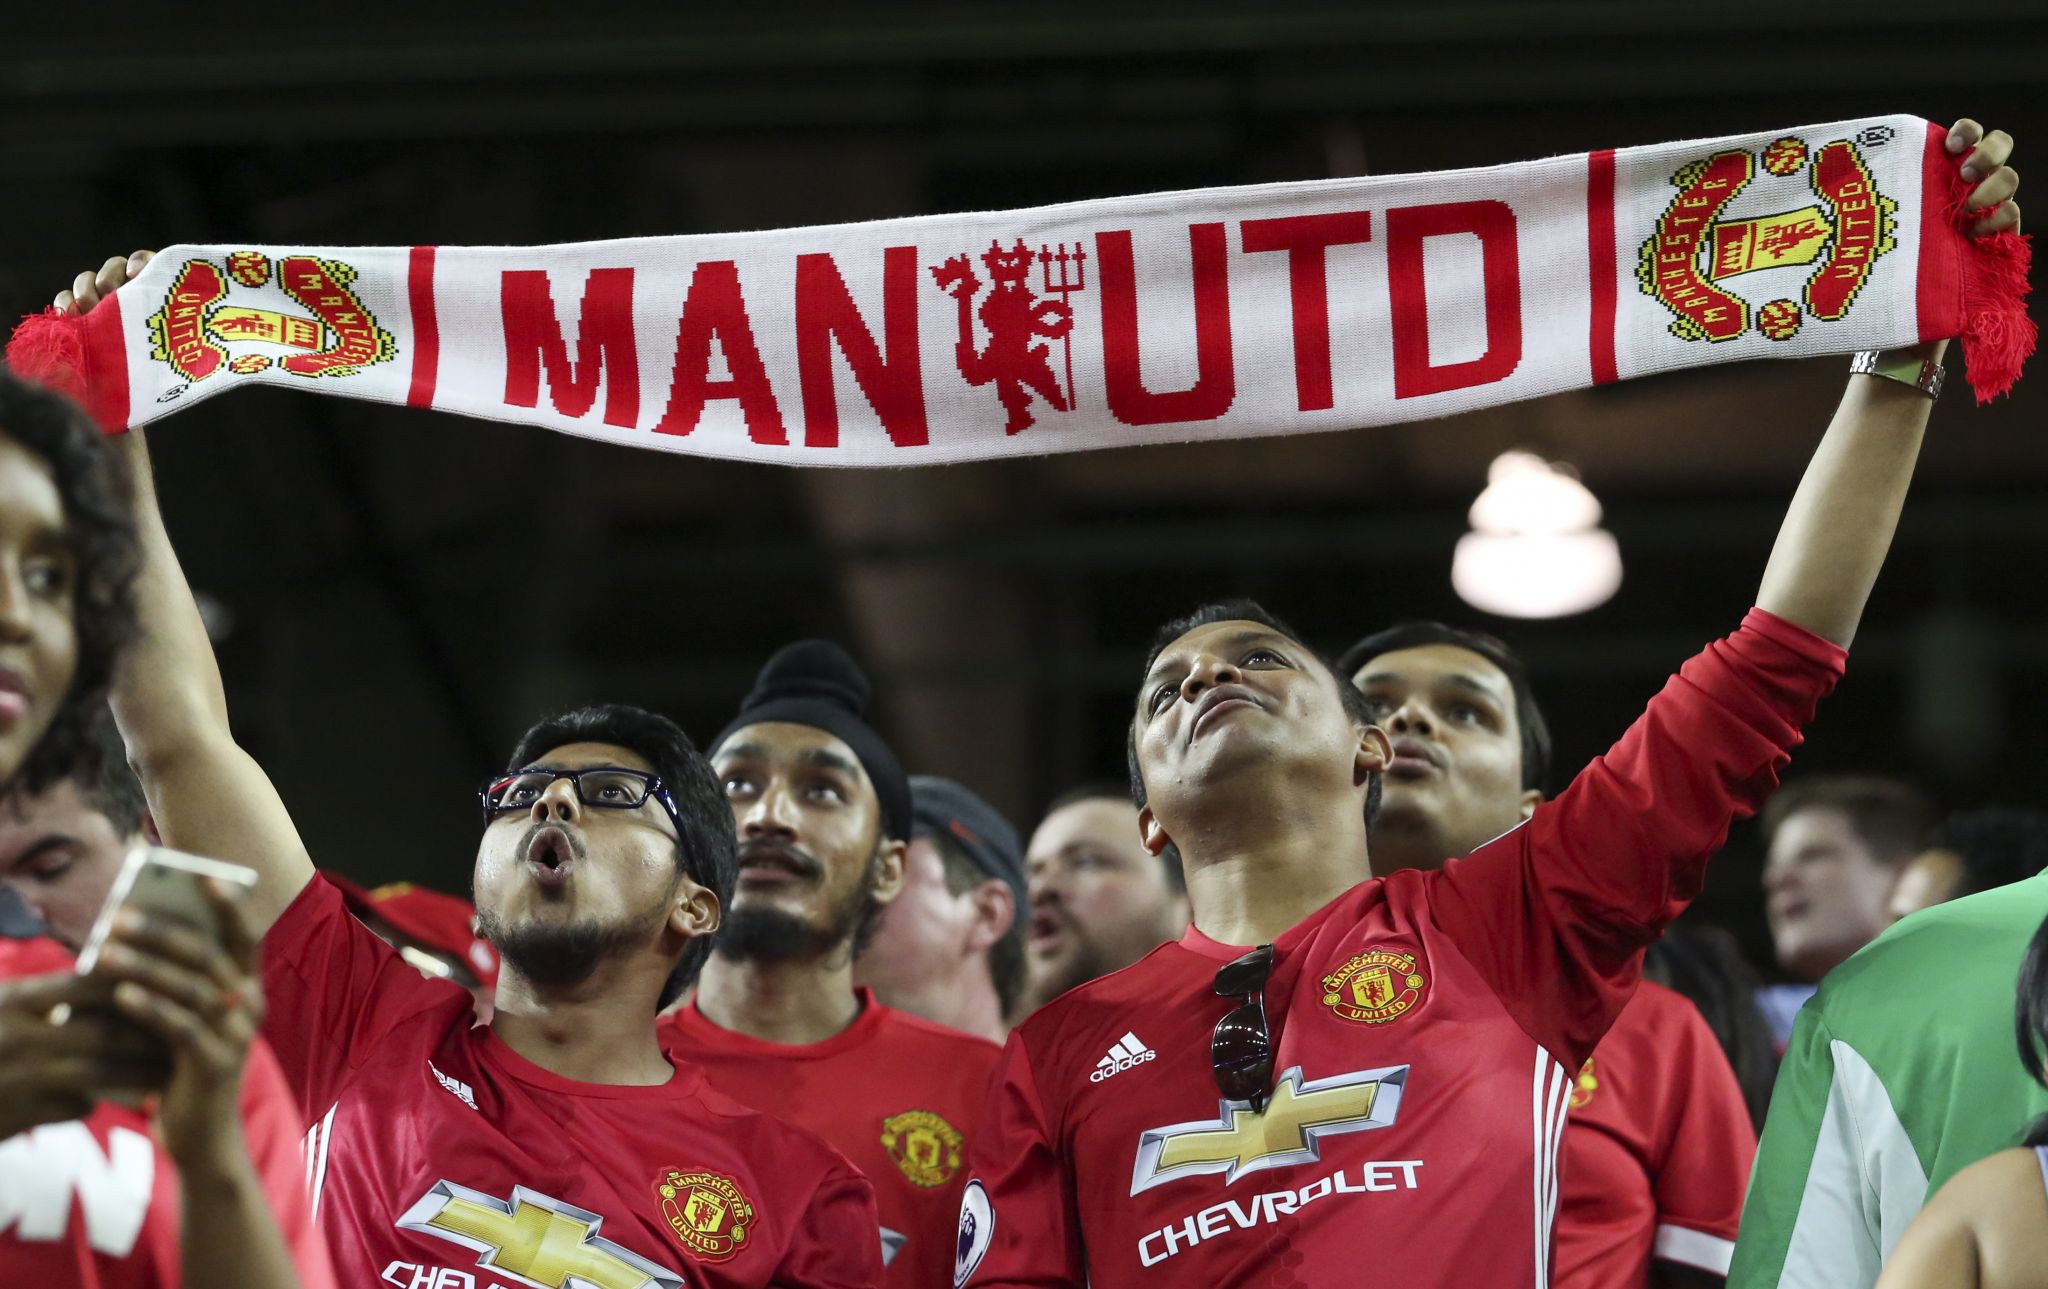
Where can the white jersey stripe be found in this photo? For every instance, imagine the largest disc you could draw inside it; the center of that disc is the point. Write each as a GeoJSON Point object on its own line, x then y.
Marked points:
{"type": "Point", "coordinates": [1536, 1154]}
{"type": "Point", "coordinates": [1562, 1081]}
{"type": "Point", "coordinates": [322, 1133]}
{"type": "Point", "coordinates": [1550, 1100]}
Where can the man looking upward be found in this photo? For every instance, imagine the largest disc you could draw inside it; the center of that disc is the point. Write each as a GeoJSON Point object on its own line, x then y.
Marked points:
{"type": "Point", "coordinates": [1658, 1142]}
{"type": "Point", "coordinates": [1339, 1055]}
{"type": "Point", "coordinates": [822, 808]}
{"type": "Point", "coordinates": [559, 1143]}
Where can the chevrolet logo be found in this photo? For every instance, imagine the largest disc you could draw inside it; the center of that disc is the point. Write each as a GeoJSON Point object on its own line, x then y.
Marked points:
{"type": "Point", "coordinates": [536, 1238]}
{"type": "Point", "coordinates": [1240, 1141]}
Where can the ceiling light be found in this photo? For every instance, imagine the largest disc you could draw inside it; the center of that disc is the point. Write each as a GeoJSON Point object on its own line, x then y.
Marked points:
{"type": "Point", "coordinates": [1536, 549]}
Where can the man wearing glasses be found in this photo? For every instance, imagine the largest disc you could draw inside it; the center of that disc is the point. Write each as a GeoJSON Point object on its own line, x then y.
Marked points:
{"type": "Point", "coordinates": [1365, 1080]}
{"type": "Point", "coordinates": [559, 1144]}
{"type": "Point", "coordinates": [823, 811]}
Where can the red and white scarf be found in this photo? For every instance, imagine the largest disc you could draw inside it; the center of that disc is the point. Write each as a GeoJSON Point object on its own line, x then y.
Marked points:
{"type": "Point", "coordinates": [1214, 314]}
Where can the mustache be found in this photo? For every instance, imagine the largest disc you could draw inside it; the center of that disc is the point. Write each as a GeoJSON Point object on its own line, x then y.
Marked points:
{"type": "Point", "coordinates": [794, 858]}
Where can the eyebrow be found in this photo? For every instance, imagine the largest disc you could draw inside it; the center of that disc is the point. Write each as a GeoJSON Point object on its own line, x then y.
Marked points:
{"type": "Point", "coordinates": [823, 758]}
{"type": "Point", "coordinates": [1458, 679]}
{"type": "Point", "coordinates": [1235, 640]}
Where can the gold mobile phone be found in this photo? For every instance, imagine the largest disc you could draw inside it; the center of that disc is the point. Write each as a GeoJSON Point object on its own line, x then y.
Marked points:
{"type": "Point", "coordinates": [164, 883]}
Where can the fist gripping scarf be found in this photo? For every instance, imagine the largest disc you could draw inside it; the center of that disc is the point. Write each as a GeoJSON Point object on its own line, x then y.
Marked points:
{"type": "Point", "coordinates": [1215, 314]}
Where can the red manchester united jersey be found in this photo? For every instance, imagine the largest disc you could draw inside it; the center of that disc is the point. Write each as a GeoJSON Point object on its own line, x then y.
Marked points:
{"type": "Point", "coordinates": [438, 1156]}
{"type": "Point", "coordinates": [94, 1202]}
{"type": "Point", "coordinates": [897, 1095]}
{"type": "Point", "coordinates": [1657, 1150]}
{"type": "Point", "coordinates": [1426, 1029]}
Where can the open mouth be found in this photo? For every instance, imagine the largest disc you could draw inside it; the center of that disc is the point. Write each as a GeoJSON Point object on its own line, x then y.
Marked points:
{"type": "Point", "coordinates": [1046, 932]}
{"type": "Point", "coordinates": [550, 857]}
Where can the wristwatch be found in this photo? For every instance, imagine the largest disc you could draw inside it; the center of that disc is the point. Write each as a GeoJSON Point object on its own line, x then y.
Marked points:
{"type": "Point", "coordinates": [1902, 365]}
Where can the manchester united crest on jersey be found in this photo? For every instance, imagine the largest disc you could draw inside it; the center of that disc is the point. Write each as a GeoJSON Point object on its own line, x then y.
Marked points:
{"type": "Point", "coordinates": [1585, 1086]}
{"type": "Point", "coordinates": [1375, 987]}
{"type": "Point", "coordinates": [707, 1212]}
{"type": "Point", "coordinates": [924, 1146]}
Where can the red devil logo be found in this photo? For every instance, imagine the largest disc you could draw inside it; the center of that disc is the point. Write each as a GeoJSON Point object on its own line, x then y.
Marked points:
{"type": "Point", "coordinates": [1018, 322]}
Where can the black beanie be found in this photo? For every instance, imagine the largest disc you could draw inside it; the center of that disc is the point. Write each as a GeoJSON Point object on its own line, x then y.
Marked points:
{"type": "Point", "coordinates": [816, 683]}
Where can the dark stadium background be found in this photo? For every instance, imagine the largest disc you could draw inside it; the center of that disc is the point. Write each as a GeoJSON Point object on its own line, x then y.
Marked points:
{"type": "Point", "coordinates": [407, 591]}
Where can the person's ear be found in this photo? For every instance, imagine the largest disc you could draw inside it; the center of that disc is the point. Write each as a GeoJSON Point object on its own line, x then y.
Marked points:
{"type": "Point", "coordinates": [1150, 834]}
{"type": "Point", "coordinates": [995, 912]}
{"type": "Point", "coordinates": [695, 911]}
{"type": "Point", "coordinates": [1374, 754]}
{"type": "Point", "coordinates": [1531, 798]}
{"type": "Point", "coordinates": [889, 871]}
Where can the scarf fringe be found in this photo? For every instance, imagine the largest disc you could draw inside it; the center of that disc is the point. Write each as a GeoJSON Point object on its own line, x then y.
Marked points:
{"type": "Point", "coordinates": [1997, 336]}
{"type": "Point", "coordinates": [50, 349]}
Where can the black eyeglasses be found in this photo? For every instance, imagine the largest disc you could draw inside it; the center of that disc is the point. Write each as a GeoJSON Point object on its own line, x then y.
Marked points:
{"type": "Point", "coordinates": [1241, 1048]}
{"type": "Point", "coordinates": [605, 787]}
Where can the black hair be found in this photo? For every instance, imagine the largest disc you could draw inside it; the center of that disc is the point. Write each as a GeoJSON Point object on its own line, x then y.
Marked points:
{"type": "Point", "coordinates": [1245, 611]}
{"type": "Point", "coordinates": [1111, 790]}
{"type": "Point", "coordinates": [1892, 818]}
{"type": "Point", "coordinates": [1006, 956]}
{"type": "Point", "coordinates": [707, 851]}
{"type": "Point", "coordinates": [104, 781]}
{"type": "Point", "coordinates": [2030, 1020]}
{"type": "Point", "coordinates": [1704, 964]}
{"type": "Point", "coordinates": [1997, 846]}
{"type": "Point", "coordinates": [98, 497]}
{"type": "Point", "coordinates": [1415, 634]}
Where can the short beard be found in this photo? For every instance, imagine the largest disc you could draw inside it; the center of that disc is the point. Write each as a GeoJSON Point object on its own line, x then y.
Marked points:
{"type": "Point", "coordinates": [773, 935]}
{"type": "Point", "coordinates": [559, 957]}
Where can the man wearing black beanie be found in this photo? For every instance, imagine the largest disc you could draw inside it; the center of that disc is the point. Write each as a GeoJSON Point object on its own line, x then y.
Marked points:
{"type": "Point", "coordinates": [823, 811]}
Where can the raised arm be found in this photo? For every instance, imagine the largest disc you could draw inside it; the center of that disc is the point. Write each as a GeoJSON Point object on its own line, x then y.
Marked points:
{"type": "Point", "coordinates": [1841, 521]}
{"type": "Point", "coordinates": [207, 795]}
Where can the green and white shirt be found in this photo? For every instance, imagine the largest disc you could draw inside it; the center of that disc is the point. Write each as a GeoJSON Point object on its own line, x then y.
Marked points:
{"type": "Point", "coordinates": [1902, 1071]}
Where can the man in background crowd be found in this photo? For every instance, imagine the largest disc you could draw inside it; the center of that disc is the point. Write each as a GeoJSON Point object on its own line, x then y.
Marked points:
{"type": "Point", "coordinates": [822, 809]}
{"type": "Point", "coordinates": [1099, 900]}
{"type": "Point", "coordinates": [1659, 1142]}
{"type": "Point", "coordinates": [950, 947]}
{"type": "Point", "coordinates": [1972, 851]}
{"type": "Point", "coordinates": [1833, 846]}
{"type": "Point", "coordinates": [443, 1151]}
{"type": "Point", "coordinates": [60, 851]}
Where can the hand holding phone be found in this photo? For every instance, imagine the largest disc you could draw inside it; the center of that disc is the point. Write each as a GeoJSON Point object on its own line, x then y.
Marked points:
{"type": "Point", "coordinates": [176, 942]}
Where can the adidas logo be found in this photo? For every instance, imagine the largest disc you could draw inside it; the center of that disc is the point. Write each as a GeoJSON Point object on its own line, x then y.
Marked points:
{"type": "Point", "coordinates": [457, 1086]}
{"type": "Point", "coordinates": [1126, 1053]}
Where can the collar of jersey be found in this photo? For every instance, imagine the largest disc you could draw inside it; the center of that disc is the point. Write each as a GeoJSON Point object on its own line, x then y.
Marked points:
{"type": "Point", "coordinates": [872, 1016]}
{"type": "Point", "coordinates": [1196, 942]}
{"type": "Point", "coordinates": [498, 1054]}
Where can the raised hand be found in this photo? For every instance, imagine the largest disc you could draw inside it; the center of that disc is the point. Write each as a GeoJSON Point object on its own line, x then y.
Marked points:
{"type": "Point", "coordinates": [1995, 181]}
{"type": "Point", "coordinates": [89, 287]}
